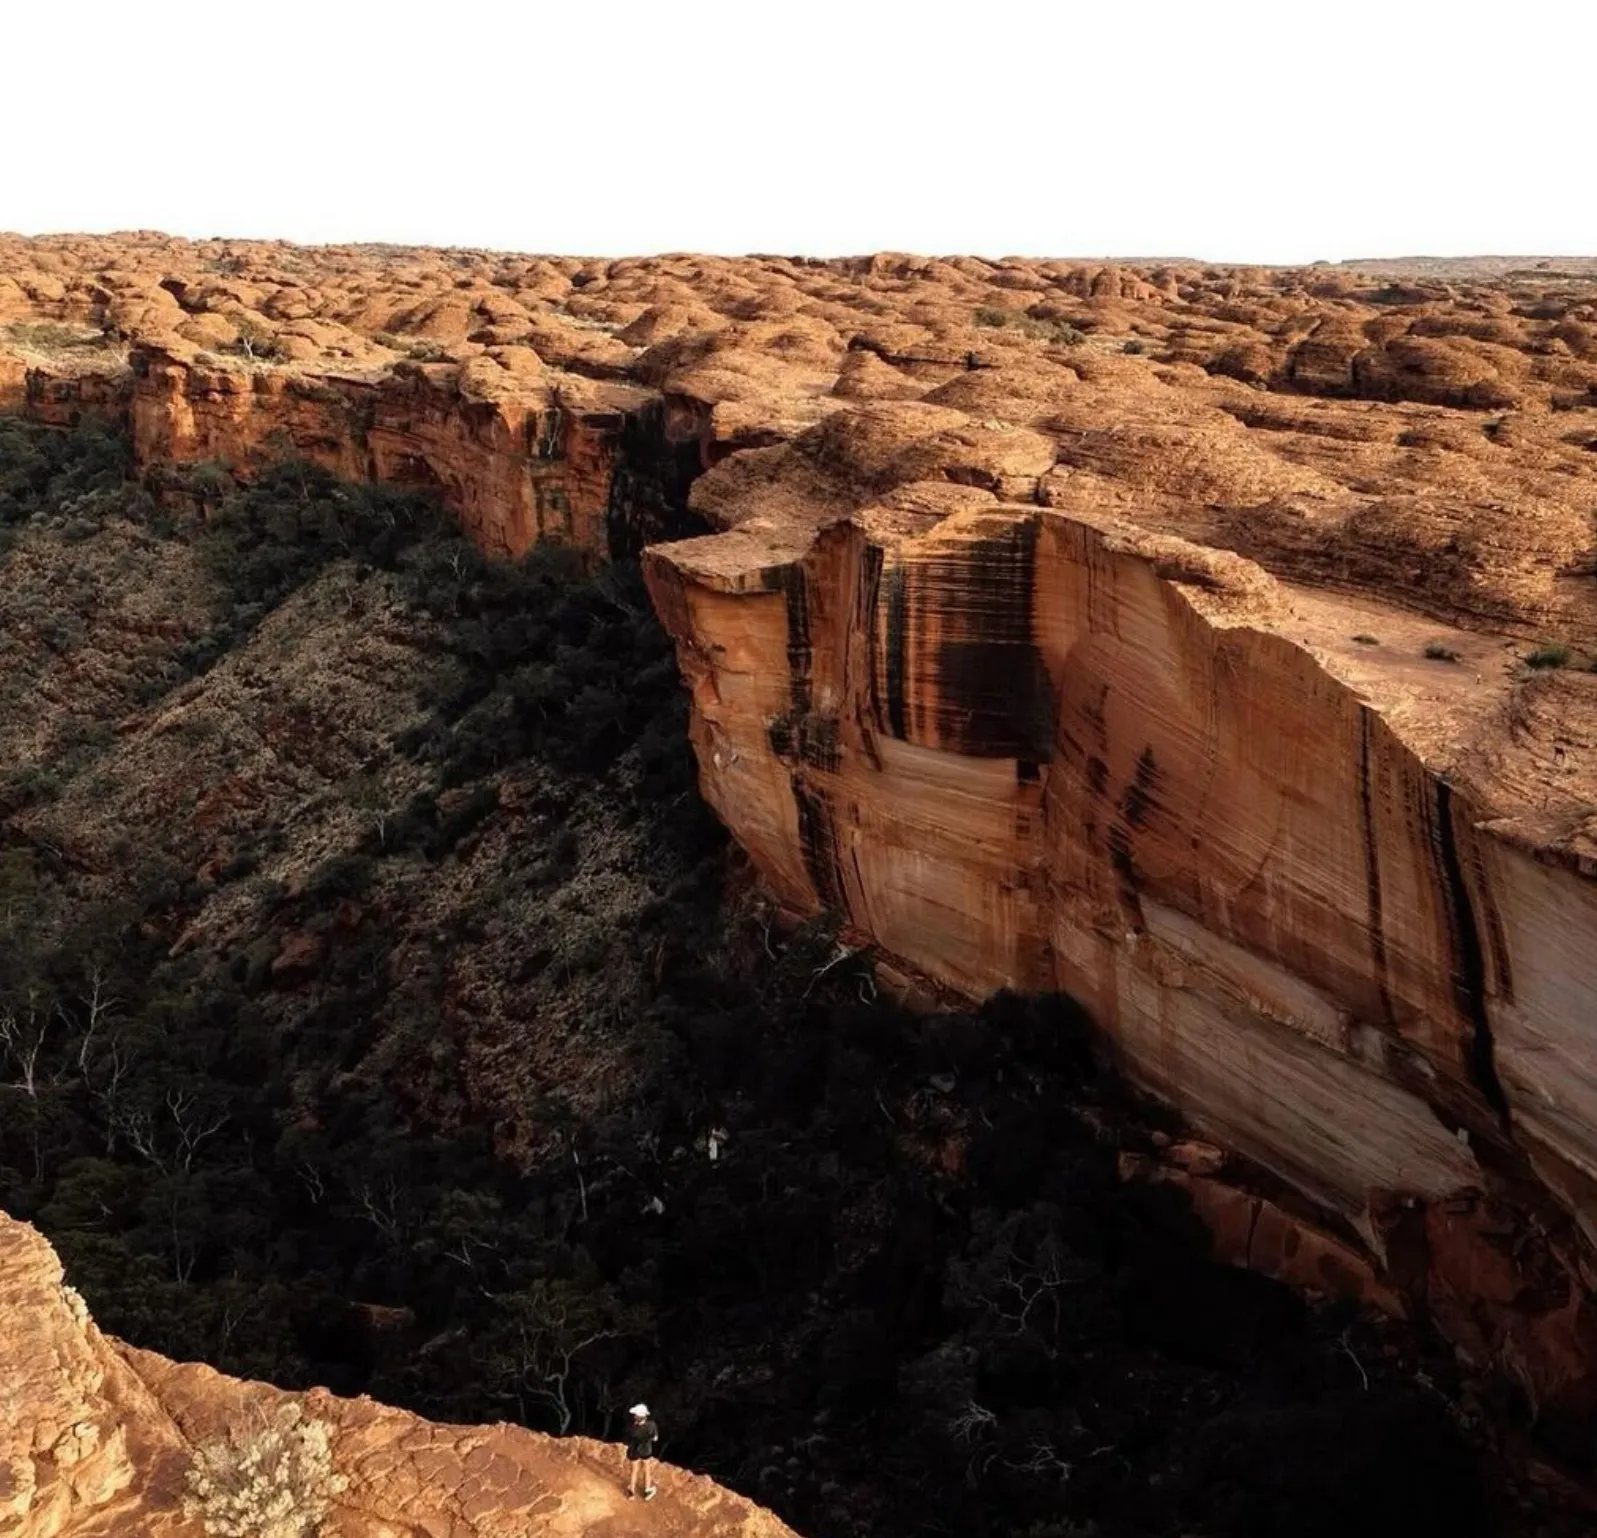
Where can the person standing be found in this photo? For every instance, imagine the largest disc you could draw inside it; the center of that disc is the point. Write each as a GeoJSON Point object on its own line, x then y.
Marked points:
{"type": "Point", "coordinates": [641, 1435]}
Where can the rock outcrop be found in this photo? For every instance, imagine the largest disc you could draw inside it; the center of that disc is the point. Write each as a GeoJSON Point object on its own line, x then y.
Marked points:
{"type": "Point", "coordinates": [512, 383]}
{"type": "Point", "coordinates": [96, 1438]}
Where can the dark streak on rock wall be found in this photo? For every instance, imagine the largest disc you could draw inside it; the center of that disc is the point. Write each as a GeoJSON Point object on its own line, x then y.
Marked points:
{"type": "Point", "coordinates": [894, 721]}
{"type": "Point", "coordinates": [994, 698]}
{"type": "Point", "coordinates": [811, 743]}
{"type": "Point", "coordinates": [650, 483]}
{"type": "Point", "coordinates": [1469, 964]}
{"type": "Point", "coordinates": [1372, 873]}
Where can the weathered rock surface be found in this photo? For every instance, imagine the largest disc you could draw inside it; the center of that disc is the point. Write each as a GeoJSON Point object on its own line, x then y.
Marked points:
{"type": "Point", "coordinates": [518, 463]}
{"type": "Point", "coordinates": [508, 381]}
{"type": "Point", "coordinates": [1329, 895]}
{"type": "Point", "coordinates": [95, 1438]}
{"type": "Point", "coordinates": [1157, 633]}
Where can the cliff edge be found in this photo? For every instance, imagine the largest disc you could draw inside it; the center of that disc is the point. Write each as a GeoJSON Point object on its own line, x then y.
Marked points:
{"type": "Point", "coordinates": [96, 1438]}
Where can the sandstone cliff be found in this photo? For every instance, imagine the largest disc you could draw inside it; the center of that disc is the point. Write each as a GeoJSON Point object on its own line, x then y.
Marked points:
{"type": "Point", "coordinates": [95, 1438]}
{"type": "Point", "coordinates": [1328, 894]}
{"type": "Point", "coordinates": [519, 463]}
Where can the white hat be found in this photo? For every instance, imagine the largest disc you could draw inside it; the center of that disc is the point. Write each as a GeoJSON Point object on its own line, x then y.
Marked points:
{"type": "Point", "coordinates": [640, 1410]}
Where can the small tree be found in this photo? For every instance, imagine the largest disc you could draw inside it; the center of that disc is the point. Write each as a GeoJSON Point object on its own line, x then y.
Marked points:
{"type": "Point", "coordinates": [272, 1480]}
{"type": "Point", "coordinates": [540, 1332]}
{"type": "Point", "coordinates": [255, 341]}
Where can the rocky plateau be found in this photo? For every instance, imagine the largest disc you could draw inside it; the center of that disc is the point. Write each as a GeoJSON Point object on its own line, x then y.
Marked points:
{"type": "Point", "coordinates": [1214, 645]}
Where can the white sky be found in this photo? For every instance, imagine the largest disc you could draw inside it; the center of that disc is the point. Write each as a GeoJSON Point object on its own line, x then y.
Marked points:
{"type": "Point", "coordinates": [1248, 130]}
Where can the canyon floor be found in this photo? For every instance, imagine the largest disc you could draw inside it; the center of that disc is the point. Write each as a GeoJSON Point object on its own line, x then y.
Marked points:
{"type": "Point", "coordinates": [378, 985]}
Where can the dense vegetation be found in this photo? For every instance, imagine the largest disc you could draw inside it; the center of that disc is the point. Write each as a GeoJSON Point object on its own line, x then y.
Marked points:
{"type": "Point", "coordinates": [875, 1270]}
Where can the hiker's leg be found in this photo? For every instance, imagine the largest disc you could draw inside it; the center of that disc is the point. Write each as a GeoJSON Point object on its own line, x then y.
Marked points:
{"type": "Point", "coordinates": [648, 1477]}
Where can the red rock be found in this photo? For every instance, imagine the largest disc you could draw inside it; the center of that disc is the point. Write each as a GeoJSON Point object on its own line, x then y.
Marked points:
{"type": "Point", "coordinates": [1196, 1158]}
{"type": "Point", "coordinates": [1257, 1234]}
{"type": "Point", "coordinates": [299, 958]}
{"type": "Point", "coordinates": [1507, 1300]}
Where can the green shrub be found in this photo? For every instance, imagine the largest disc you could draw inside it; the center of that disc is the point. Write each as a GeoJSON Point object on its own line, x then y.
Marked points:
{"type": "Point", "coordinates": [418, 349]}
{"type": "Point", "coordinates": [343, 875]}
{"type": "Point", "coordinates": [455, 824]}
{"type": "Point", "coordinates": [1438, 651]}
{"type": "Point", "coordinates": [25, 785]}
{"type": "Point", "coordinates": [1550, 654]}
{"type": "Point", "coordinates": [255, 342]}
{"type": "Point", "coordinates": [49, 471]}
{"type": "Point", "coordinates": [1058, 331]}
{"type": "Point", "coordinates": [263, 540]}
{"type": "Point", "coordinates": [51, 336]}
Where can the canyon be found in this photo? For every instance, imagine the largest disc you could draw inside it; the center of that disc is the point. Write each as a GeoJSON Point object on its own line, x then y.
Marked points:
{"type": "Point", "coordinates": [1212, 645]}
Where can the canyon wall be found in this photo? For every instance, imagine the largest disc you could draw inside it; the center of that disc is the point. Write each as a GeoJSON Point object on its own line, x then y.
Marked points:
{"type": "Point", "coordinates": [583, 463]}
{"type": "Point", "coordinates": [96, 1438]}
{"type": "Point", "coordinates": [518, 465]}
{"type": "Point", "coordinates": [1334, 909]}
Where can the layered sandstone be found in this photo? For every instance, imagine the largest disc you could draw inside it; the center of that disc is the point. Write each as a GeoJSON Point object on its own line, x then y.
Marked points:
{"type": "Point", "coordinates": [518, 463]}
{"type": "Point", "coordinates": [96, 1438]}
{"type": "Point", "coordinates": [958, 678]}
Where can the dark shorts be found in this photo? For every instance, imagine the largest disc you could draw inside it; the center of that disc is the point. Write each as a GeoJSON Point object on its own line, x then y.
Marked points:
{"type": "Point", "coordinates": [638, 1451]}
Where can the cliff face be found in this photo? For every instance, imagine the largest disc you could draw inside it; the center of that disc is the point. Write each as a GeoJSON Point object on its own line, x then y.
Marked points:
{"type": "Point", "coordinates": [595, 465]}
{"type": "Point", "coordinates": [519, 464]}
{"type": "Point", "coordinates": [1027, 749]}
{"type": "Point", "coordinates": [1320, 867]}
{"type": "Point", "coordinates": [95, 1438]}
